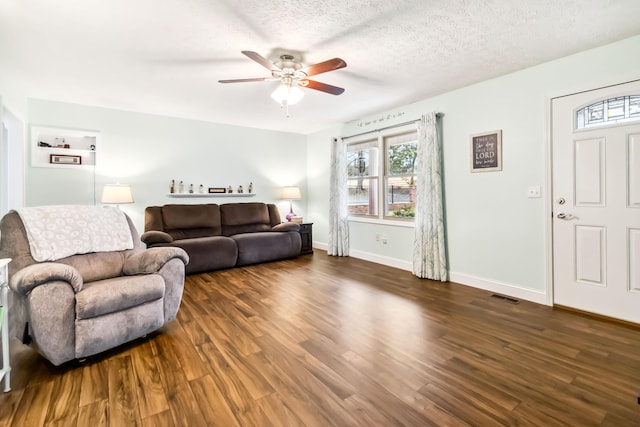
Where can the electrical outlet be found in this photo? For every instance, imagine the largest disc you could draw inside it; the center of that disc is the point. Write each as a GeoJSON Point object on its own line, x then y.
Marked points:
{"type": "Point", "coordinates": [377, 237]}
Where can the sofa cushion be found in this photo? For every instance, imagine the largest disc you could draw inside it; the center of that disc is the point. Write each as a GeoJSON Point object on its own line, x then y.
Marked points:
{"type": "Point", "coordinates": [208, 253]}
{"type": "Point", "coordinates": [97, 266]}
{"type": "Point", "coordinates": [274, 214]}
{"type": "Point", "coordinates": [244, 218]}
{"type": "Point", "coordinates": [116, 294]}
{"type": "Point", "coordinates": [101, 333]}
{"type": "Point", "coordinates": [267, 246]}
{"type": "Point", "coordinates": [191, 216]}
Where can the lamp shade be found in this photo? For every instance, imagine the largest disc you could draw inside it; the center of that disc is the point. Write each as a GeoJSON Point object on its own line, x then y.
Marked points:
{"type": "Point", "coordinates": [117, 194]}
{"type": "Point", "coordinates": [291, 193]}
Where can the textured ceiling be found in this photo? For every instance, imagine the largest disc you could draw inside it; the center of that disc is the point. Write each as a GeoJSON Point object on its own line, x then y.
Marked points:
{"type": "Point", "coordinates": [165, 57]}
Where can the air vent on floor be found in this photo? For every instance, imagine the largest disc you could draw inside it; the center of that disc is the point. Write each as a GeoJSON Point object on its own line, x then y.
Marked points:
{"type": "Point", "coordinates": [506, 298]}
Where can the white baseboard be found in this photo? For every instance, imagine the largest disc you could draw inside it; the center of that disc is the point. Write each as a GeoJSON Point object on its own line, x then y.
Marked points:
{"type": "Point", "coordinates": [368, 256]}
{"type": "Point", "coordinates": [320, 245]}
{"type": "Point", "coordinates": [502, 288]}
{"type": "Point", "coordinates": [381, 259]}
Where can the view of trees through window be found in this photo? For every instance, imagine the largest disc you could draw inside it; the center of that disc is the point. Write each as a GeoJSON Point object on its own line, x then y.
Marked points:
{"type": "Point", "coordinates": [400, 179]}
{"type": "Point", "coordinates": [362, 172]}
{"type": "Point", "coordinates": [396, 198]}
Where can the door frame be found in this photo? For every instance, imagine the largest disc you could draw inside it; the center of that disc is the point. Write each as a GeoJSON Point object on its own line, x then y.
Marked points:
{"type": "Point", "coordinates": [548, 201]}
{"type": "Point", "coordinates": [15, 158]}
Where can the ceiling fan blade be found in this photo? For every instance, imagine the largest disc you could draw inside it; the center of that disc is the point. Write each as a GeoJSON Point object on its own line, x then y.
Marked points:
{"type": "Point", "coordinates": [323, 67]}
{"type": "Point", "coordinates": [323, 87]}
{"type": "Point", "coordinates": [256, 79]}
{"type": "Point", "coordinates": [261, 60]}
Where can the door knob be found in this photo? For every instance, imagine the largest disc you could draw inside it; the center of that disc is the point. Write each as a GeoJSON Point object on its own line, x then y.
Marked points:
{"type": "Point", "coordinates": [562, 215]}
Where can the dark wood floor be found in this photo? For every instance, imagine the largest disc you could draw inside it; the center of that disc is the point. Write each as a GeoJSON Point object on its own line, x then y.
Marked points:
{"type": "Point", "coordinates": [325, 341]}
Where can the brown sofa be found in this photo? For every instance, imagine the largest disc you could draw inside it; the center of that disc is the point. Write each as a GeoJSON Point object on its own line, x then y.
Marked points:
{"type": "Point", "coordinates": [222, 236]}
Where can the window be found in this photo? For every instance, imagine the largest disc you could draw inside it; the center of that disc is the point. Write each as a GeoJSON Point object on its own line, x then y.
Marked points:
{"type": "Point", "coordinates": [610, 111]}
{"type": "Point", "coordinates": [387, 192]}
{"type": "Point", "coordinates": [400, 176]}
{"type": "Point", "coordinates": [362, 178]}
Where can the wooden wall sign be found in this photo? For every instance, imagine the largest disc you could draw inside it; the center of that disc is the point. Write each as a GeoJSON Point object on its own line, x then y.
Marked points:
{"type": "Point", "coordinates": [486, 151]}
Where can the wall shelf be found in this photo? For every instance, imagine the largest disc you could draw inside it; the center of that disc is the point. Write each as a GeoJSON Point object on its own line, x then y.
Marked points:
{"type": "Point", "coordinates": [211, 194]}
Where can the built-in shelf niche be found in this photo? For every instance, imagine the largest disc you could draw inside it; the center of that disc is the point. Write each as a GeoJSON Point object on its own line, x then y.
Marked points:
{"type": "Point", "coordinates": [63, 148]}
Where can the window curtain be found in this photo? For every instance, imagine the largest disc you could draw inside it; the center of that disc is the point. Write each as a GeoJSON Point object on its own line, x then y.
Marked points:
{"type": "Point", "coordinates": [338, 225]}
{"type": "Point", "coordinates": [429, 257]}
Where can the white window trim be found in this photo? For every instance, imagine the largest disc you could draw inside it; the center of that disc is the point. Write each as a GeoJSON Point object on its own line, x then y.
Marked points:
{"type": "Point", "coordinates": [393, 222]}
{"type": "Point", "coordinates": [381, 218]}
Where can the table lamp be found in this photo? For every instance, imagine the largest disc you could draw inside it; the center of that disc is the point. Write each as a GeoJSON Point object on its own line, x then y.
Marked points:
{"type": "Point", "coordinates": [291, 194]}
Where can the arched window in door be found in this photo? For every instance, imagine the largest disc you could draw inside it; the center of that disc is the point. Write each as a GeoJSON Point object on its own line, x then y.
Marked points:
{"type": "Point", "coordinates": [610, 111]}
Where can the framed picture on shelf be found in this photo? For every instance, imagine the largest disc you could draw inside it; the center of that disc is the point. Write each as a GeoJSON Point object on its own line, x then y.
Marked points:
{"type": "Point", "coordinates": [65, 159]}
{"type": "Point", "coordinates": [486, 151]}
{"type": "Point", "coordinates": [217, 190]}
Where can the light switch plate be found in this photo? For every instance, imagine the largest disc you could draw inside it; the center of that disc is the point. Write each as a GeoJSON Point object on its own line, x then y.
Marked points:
{"type": "Point", "coordinates": [533, 192]}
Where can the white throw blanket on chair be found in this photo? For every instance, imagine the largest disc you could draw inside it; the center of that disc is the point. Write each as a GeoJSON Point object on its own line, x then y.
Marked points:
{"type": "Point", "coordinates": [56, 232]}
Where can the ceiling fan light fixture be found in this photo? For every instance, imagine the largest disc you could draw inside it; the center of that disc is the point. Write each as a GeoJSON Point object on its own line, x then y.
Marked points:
{"type": "Point", "coordinates": [292, 75]}
{"type": "Point", "coordinates": [287, 94]}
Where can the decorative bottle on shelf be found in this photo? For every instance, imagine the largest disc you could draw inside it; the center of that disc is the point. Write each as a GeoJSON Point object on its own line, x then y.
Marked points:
{"type": "Point", "coordinates": [250, 187]}
{"type": "Point", "coordinates": [240, 190]}
{"type": "Point", "coordinates": [190, 188]}
{"type": "Point", "coordinates": [181, 187]}
{"type": "Point", "coordinates": [172, 189]}
{"type": "Point", "coordinates": [230, 189]}
{"type": "Point", "coordinates": [201, 189]}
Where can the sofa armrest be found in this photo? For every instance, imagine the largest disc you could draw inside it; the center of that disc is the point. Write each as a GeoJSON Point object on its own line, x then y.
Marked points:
{"type": "Point", "coordinates": [39, 274]}
{"type": "Point", "coordinates": [151, 260]}
{"type": "Point", "coordinates": [286, 226]}
{"type": "Point", "coordinates": [155, 236]}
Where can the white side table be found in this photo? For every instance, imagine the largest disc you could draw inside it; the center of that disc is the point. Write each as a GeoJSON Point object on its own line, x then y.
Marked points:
{"type": "Point", "coordinates": [5, 372]}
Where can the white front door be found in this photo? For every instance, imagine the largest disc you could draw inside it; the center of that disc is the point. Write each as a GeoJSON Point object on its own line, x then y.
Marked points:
{"type": "Point", "coordinates": [596, 203]}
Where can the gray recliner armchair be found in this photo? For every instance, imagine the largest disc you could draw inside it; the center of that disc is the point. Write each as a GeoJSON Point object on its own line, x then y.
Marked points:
{"type": "Point", "coordinates": [86, 303]}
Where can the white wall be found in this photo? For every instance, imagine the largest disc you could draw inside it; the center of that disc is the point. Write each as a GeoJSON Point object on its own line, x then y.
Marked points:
{"type": "Point", "coordinates": [13, 91]}
{"type": "Point", "coordinates": [496, 235]}
{"type": "Point", "coordinates": [148, 151]}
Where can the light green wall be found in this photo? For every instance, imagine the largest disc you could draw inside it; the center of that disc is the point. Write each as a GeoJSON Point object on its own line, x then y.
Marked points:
{"type": "Point", "coordinates": [148, 151]}
{"type": "Point", "coordinates": [496, 235]}
{"type": "Point", "coordinates": [13, 95]}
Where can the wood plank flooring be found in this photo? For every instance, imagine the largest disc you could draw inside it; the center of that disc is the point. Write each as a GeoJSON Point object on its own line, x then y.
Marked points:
{"type": "Point", "coordinates": [326, 341]}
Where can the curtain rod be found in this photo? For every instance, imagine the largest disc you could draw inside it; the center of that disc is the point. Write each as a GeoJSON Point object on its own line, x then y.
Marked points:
{"type": "Point", "coordinates": [397, 125]}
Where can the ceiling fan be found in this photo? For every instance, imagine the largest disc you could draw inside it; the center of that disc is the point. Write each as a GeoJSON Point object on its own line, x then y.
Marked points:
{"type": "Point", "coordinates": [292, 75]}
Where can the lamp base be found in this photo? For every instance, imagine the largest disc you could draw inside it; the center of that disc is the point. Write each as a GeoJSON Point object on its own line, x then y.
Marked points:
{"type": "Point", "coordinates": [290, 215]}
